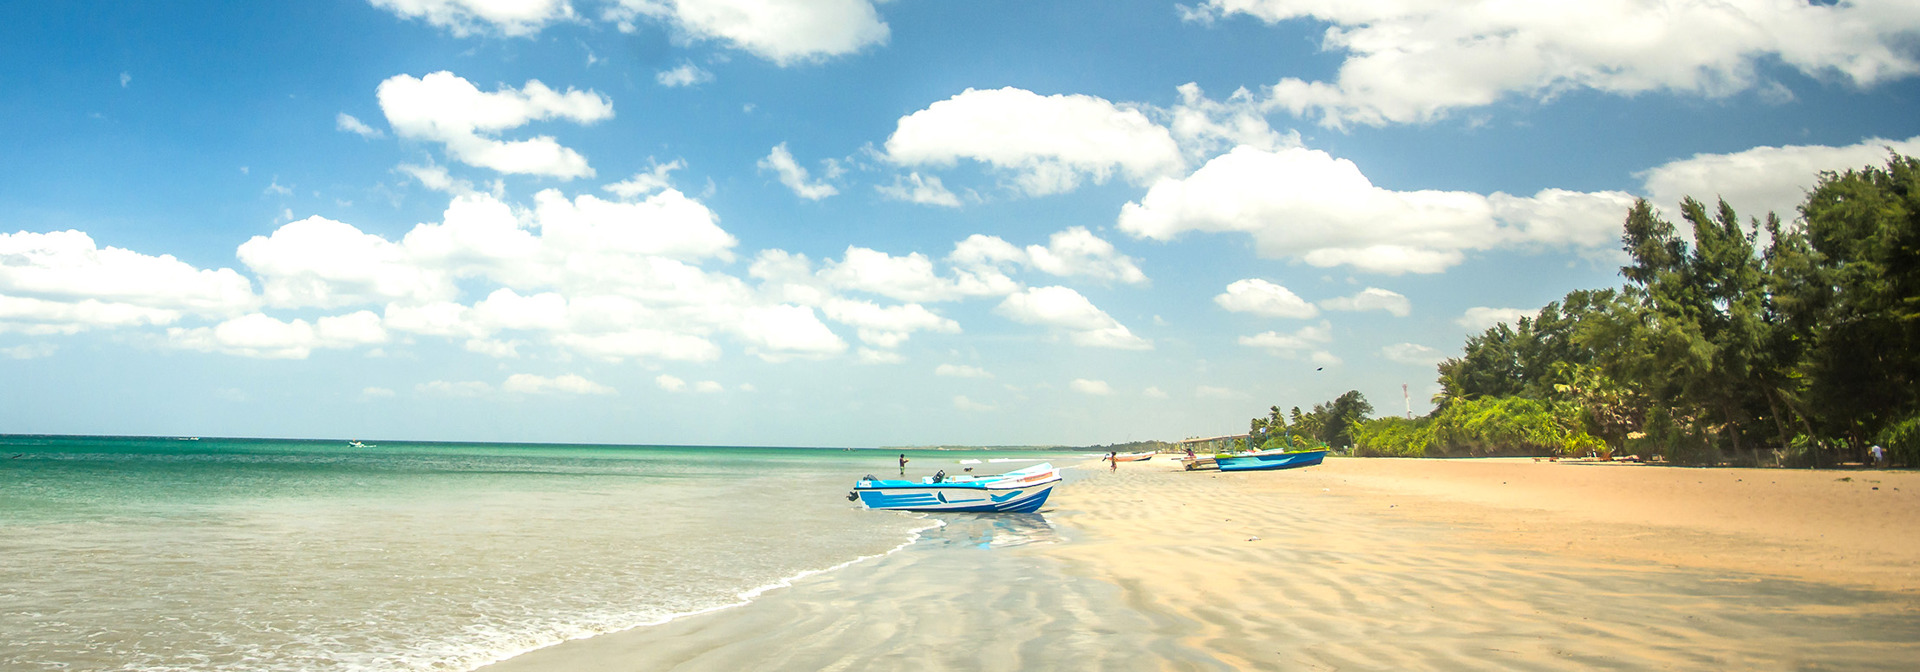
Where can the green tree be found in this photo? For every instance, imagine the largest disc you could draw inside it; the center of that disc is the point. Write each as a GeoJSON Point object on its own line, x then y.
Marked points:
{"type": "Point", "coordinates": [1705, 306]}
{"type": "Point", "coordinates": [1727, 338]}
{"type": "Point", "coordinates": [1341, 416]}
{"type": "Point", "coordinates": [1863, 228]}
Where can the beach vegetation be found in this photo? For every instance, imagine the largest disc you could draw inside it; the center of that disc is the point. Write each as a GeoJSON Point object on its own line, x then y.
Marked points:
{"type": "Point", "coordinates": [1330, 425]}
{"type": "Point", "coordinates": [1485, 427]}
{"type": "Point", "coordinates": [1768, 341]}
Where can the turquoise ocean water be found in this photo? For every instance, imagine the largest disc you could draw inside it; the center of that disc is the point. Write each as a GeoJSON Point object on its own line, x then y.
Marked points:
{"type": "Point", "coordinates": [121, 553]}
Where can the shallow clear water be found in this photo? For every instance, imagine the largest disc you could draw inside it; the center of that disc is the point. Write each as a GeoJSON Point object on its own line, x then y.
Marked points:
{"type": "Point", "coordinates": [232, 554]}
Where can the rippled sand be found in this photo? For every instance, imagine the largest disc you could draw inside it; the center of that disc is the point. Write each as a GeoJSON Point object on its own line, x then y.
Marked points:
{"type": "Point", "coordinates": [1358, 564]}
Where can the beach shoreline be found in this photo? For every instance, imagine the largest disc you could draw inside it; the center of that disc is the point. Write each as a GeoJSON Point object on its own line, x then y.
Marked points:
{"type": "Point", "coordinates": [1360, 563]}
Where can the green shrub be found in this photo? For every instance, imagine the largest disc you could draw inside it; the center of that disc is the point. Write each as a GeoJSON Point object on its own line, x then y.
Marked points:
{"type": "Point", "coordinates": [1902, 441]}
{"type": "Point", "coordinates": [1479, 428]}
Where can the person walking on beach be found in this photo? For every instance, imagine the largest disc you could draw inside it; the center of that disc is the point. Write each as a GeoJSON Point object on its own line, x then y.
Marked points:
{"type": "Point", "coordinates": [903, 464]}
{"type": "Point", "coordinates": [1112, 464]}
{"type": "Point", "coordinates": [1877, 454]}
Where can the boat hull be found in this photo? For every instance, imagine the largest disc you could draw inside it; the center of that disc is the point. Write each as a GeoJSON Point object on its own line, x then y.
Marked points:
{"type": "Point", "coordinates": [962, 498]}
{"type": "Point", "coordinates": [1265, 462]}
{"type": "Point", "coordinates": [1133, 457]}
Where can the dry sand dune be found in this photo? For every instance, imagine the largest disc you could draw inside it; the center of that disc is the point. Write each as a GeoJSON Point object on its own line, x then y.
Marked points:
{"type": "Point", "coordinates": [1358, 564]}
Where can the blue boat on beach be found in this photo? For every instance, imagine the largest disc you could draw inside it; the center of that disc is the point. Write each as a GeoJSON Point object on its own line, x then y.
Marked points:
{"type": "Point", "coordinates": [1268, 460]}
{"type": "Point", "coordinates": [1018, 491]}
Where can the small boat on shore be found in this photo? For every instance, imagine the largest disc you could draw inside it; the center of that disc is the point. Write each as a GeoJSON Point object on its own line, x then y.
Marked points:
{"type": "Point", "coordinates": [1270, 459]}
{"type": "Point", "coordinates": [1018, 491]}
{"type": "Point", "coordinates": [1133, 457]}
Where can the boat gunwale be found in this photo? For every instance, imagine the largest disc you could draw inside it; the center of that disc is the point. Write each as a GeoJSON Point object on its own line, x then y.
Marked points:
{"type": "Point", "coordinates": [958, 486]}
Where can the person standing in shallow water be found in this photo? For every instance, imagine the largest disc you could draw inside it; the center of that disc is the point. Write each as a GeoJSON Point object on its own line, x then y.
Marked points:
{"type": "Point", "coordinates": [903, 464]}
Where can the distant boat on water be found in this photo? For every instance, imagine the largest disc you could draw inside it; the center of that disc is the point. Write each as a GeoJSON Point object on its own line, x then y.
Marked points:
{"type": "Point", "coordinates": [1018, 491]}
{"type": "Point", "coordinates": [357, 444]}
{"type": "Point", "coordinates": [1268, 459]}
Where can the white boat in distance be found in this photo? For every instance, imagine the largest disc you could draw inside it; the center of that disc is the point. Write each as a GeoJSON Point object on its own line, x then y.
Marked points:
{"type": "Point", "coordinates": [1018, 491]}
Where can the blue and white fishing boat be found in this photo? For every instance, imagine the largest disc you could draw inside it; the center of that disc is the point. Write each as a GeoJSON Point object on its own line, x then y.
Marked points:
{"type": "Point", "coordinates": [1269, 459]}
{"type": "Point", "coordinates": [1018, 491]}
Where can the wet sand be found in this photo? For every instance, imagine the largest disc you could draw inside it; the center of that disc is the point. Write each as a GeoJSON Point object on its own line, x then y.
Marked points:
{"type": "Point", "coordinates": [1356, 564]}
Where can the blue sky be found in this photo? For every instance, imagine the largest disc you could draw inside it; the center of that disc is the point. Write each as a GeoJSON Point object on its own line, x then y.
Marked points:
{"type": "Point", "coordinates": [845, 222]}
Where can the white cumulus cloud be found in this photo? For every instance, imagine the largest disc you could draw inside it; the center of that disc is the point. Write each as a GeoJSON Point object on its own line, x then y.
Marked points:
{"type": "Point", "coordinates": [454, 388]}
{"type": "Point", "coordinates": [62, 282]}
{"type": "Point", "coordinates": [1098, 388]}
{"type": "Point", "coordinates": [785, 32]}
{"type": "Point", "coordinates": [641, 343]}
{"type": "Point", "coordinates": [1412, 353]}
{"type": "Point", "coordinates": [1066, 310]}
{"type": "Point", "coordinates": [1260, 297]}
{"type": "Point", "coordinates": [39, 316]}
{"type": "Point", "coordinates": [1206, 127]}
{"type": "Point", "coordinates": [963, 403]}
{"type": "Point", "coordinates": [876, 356]}
{"type": "Point", "coordinates": [670, 383]}
{"type": "Point", "coordinates": [328, 264]}
{"type": "Point", "coordinates": [29, 351]}
{"type": "Point", "coordinates": [1308, 205]}
{"type": "Point", "coordinates": [1075, 252]}
{"type": "Point", "coordinates": [1411, 61]}
{"type": "Point", "coordinates": [917, 188]}
{"type": "Point", "coordinates": [657, 177]}
{"type": "Point", "coordinates": [778, 333]}
{"type": "Point", "coordinates": [887, 327]}
{"type": "Point", "coordinates": [260, 336]}
{"type": "Point", "coordinates": [347, 122]}
{"type": "Point", "coordinates": [527, 383]}
{"type": "Point", "coordinates": [1046, 144]}
{"type": "Point", "coordinates": [1372, 298]}
{"type": "Point", "coordinates": [1763, 179]}
{"type": "Point", "coordinates": [686, 74]}
{"type": "Point", "coordinates": [445, 108]}
{"type": "Point", "coordinates": [435, 177]}
{"type": "Point", "coordinates": [909, 278]}
{"type": "Point", "coordinates": [781, 162]}
{"type": "Point", "coordinates": [610, 280]}
{"type": "Point", "coordinates": [960, 371]}
{"type": "Point", "coordinates": [1306, 340]}
{"type": "Point", "coordinates": [469, 17]}
{"type": "Point", "coordinates": [666, 224]}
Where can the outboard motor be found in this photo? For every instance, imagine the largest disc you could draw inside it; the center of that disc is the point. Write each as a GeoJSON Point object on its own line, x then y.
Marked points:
{"type": "Point", "coordinates": [853, 496]}
{"type": "Point", "coordinates": [939, 476]}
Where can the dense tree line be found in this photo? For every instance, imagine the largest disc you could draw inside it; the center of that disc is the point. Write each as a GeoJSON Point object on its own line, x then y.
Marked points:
{"type": "Point", "coordinates": [1765, 342]}
{"type": "Point", "coordinates": [1332, 424]}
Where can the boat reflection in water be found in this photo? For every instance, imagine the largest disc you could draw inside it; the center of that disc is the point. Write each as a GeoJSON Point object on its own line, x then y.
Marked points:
{"type": "Point", "coordinates": [992, 530]}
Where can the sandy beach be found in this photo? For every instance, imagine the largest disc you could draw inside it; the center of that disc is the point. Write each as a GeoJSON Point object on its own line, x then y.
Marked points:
{"type": "Point", "coordinates": [1355, 564]}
